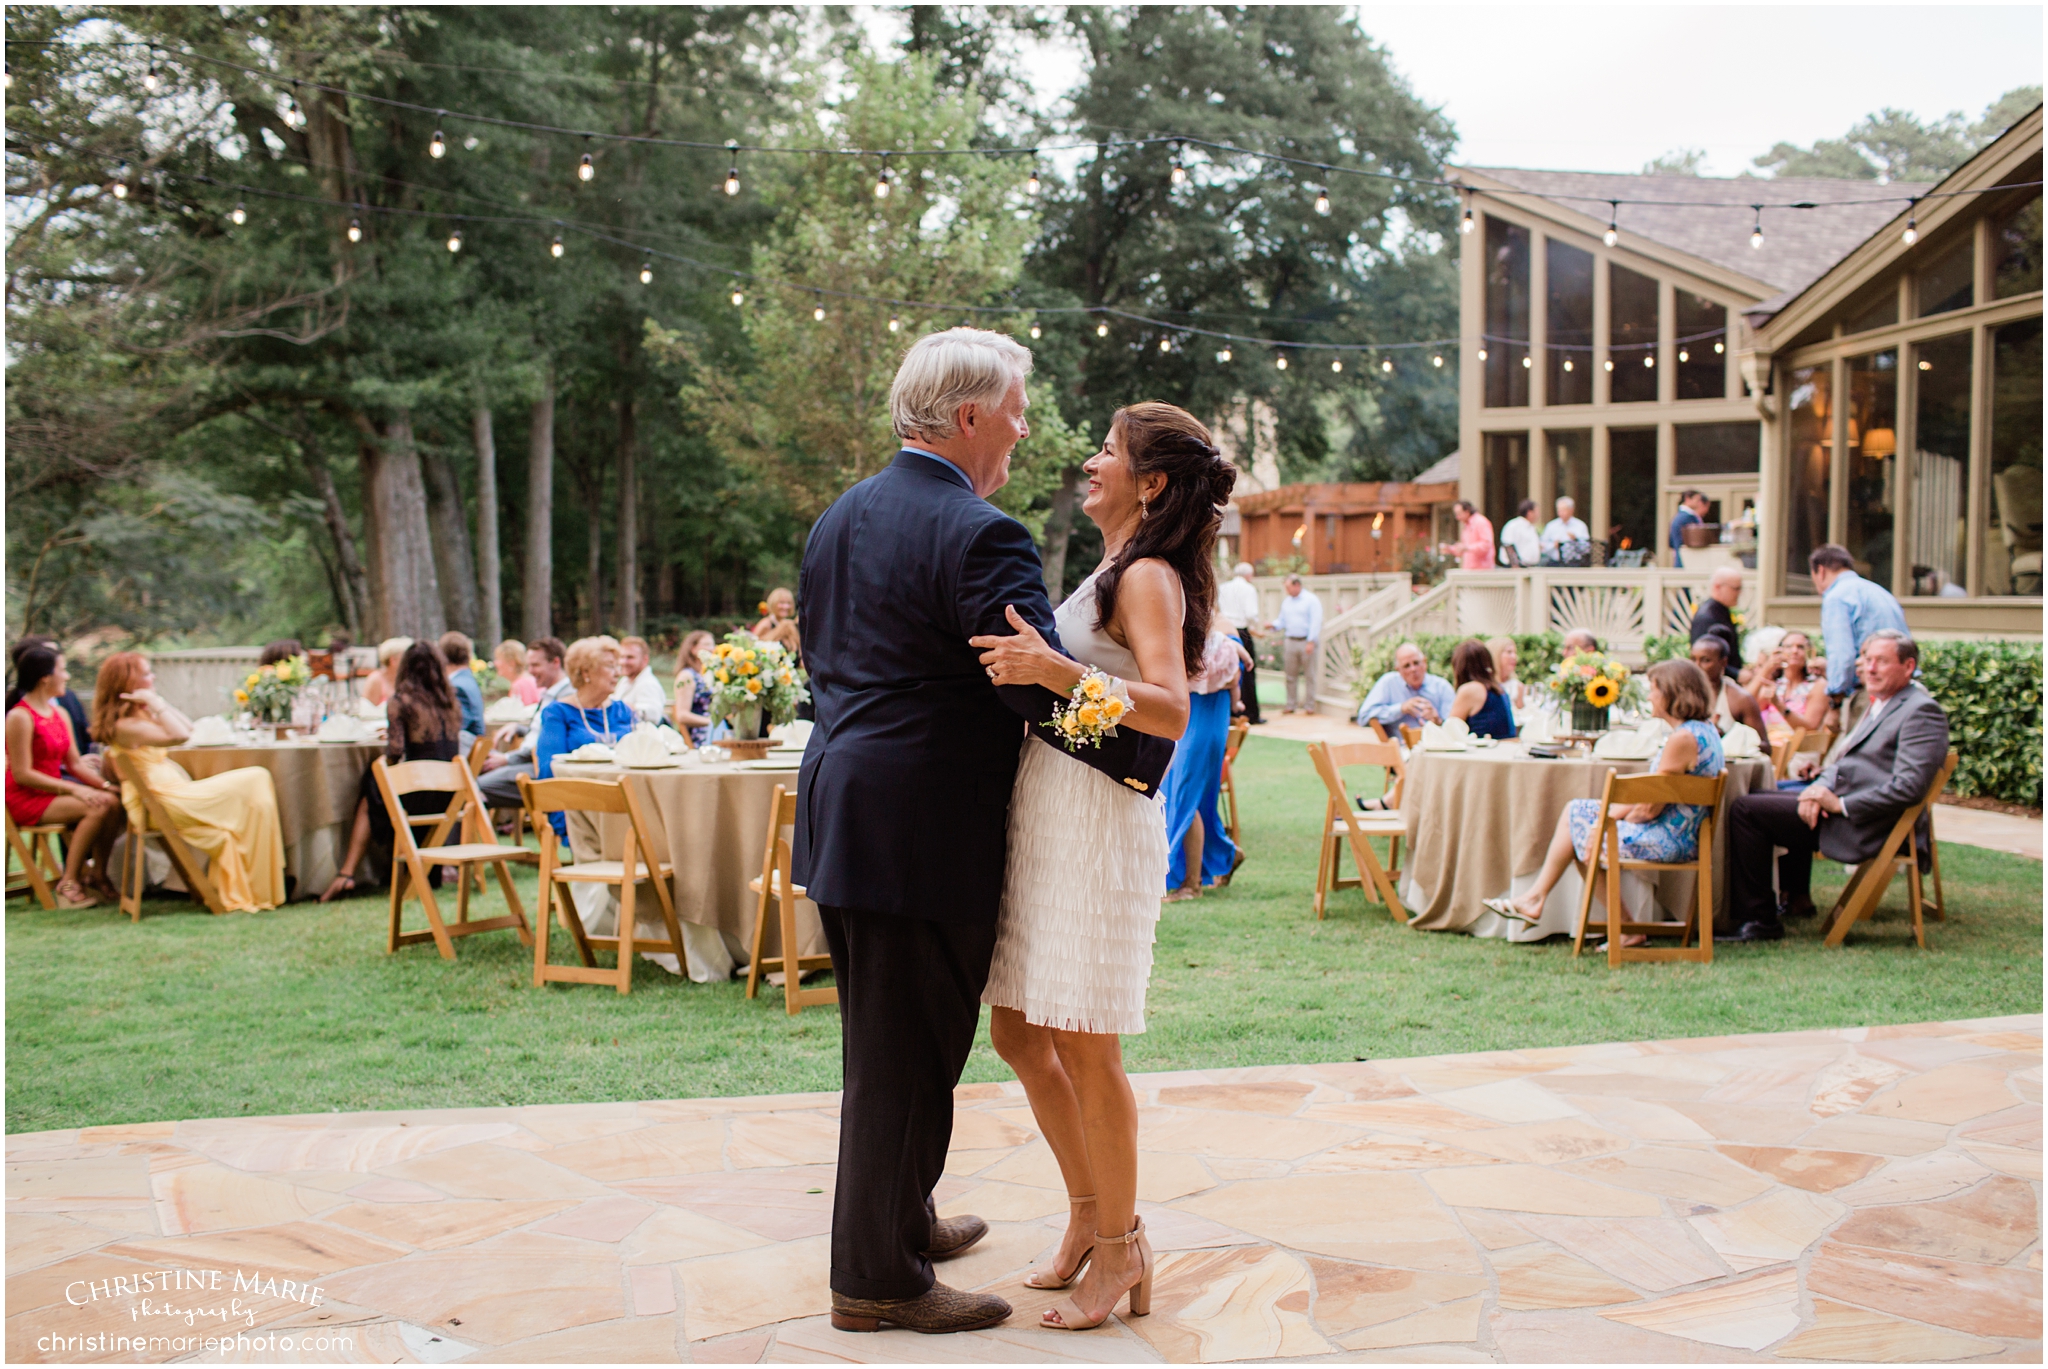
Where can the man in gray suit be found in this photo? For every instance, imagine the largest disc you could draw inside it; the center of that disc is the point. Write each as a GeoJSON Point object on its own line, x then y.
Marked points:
{"type": "Point", "coordinates": [1881, 769]}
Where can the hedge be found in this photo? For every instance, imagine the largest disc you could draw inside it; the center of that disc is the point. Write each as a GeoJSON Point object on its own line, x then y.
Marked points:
{"type": "Point", "coordinates": [1536, 655]}
{"type": "Point", "coordinates": [1992, 691]}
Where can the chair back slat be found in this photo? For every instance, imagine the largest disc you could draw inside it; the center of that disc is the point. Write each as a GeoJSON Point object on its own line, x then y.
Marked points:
{"type": "Point", "coordinates": [1385, 755]}
{"type": "Point", "coordinates": [559, 796]}
{"type": "Point", "coordinates": [1698, 790]}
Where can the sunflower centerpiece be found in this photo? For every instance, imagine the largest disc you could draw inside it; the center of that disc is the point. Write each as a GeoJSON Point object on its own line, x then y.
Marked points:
{"type": "Point", "coordinates": [757, 685]}
{"type": "Point", "coordinates": [1590, 684]}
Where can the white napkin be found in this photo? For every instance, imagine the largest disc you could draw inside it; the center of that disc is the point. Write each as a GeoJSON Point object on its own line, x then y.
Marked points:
{"type": "Point", "coordinates": [1637, 745]}
{"type": "Point", "coordinates": [369, 712]}
{"type": "Point", "coordinates": [1534, 725]}
{"type": "Point", "coordinates": [642, 747]}
{"type": "Point", "coordinates": [590, 751]}
{"type": "Point", "coordinates": [342, 728]}
{"type": "Point", "coordinates": [1448, 736]}
{"type": "Point", "coordinates": [212, 730]}
{"type": "Point", "coordinates": [1741, 742]}
{"type": "Point", "coordinates": [796, 734]}
{"type": "Point", "coordinates": [676, 742]}
{"type": "Point", "coordinates": [508, 710]}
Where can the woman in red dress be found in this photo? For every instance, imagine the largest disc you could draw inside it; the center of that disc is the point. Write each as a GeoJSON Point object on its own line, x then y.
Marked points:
{"type": "Point", "coordinates": [40, 748]}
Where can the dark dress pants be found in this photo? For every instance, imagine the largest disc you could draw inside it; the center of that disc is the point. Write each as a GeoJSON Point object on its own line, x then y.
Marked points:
{"type": "Point", "coordinates": [909, 1003]}
{"type": "Point", "coordinates": [1756, 823]}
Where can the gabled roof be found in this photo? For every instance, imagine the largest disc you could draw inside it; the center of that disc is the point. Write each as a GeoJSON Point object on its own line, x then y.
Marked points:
{"type": "Point", "coordinates": [1710, 218]}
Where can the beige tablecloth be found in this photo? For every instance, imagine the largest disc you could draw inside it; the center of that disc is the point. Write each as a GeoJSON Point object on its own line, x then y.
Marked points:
{"type": "Point", "coordinates": [710, 821]}
{"type": "Point", "coordinates": [1479, 823]}
{"type": "Point", "coordinates": [316, 797]}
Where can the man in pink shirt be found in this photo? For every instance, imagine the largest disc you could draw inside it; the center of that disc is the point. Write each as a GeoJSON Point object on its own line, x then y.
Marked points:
{"type": "Point", "coordinates": [1474, 548]}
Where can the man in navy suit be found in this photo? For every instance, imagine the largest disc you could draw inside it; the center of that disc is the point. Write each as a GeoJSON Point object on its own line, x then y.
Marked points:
{"type": "Point", "coordinates": [903, 807]}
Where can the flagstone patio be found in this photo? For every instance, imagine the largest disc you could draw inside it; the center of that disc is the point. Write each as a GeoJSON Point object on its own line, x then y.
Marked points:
{"type": "Point", "coordinates": [1860, 1194]}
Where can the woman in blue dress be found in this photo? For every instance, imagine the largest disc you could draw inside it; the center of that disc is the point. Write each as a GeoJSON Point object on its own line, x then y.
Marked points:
{"type": "Point", "coordinates": [1199, 847]}
{"type": "Point", "coordinates": [589, 714]}
{"type": "Point", "coordinates": [1480, 700]}
{"type": "Point", "coordinates": [1665, 832]}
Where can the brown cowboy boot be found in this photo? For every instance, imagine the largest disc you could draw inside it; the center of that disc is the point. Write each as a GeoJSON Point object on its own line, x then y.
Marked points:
{"type": "Point", "coordinates": [938, 1310]}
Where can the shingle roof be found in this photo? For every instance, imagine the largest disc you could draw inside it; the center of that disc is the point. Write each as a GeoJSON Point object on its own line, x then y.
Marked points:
{"type": "Point", "coordinates": [1711, 218]}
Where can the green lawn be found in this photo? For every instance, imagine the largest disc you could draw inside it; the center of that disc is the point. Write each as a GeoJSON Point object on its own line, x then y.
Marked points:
{"type": "Point", "coordinates": [300, 1010]}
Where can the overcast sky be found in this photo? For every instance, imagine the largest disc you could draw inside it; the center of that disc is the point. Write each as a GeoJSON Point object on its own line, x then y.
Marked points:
{"type": "Point", "coordinates": [1607, 88]}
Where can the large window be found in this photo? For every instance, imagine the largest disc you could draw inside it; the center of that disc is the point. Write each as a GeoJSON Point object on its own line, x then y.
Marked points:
{"type": "Point", "coordinates": [1946, 282]}
{"type": "Point", "coordinates": [1506, 343]}
{"type": "Point", "coordinates": [1873, 463]}
{"type": "Point", "coordinates": [1702, 346]}
{"type": "Point", "coordinates": [1568, 328]}
{"type": "Point", "coordinates": [1716, 449]}
{"type": "Point", "coordinates": [1806, 493]}
{"type": "Point", "coordinates": [1880, 308]}
{"type": "Point", "coordinates": [1571, 469]}
{"type": "Point", "coordinates": [1631, 335]}
{"type": "Point", "coordinates": [2012, 544]}
{"type": "Point", "coordinates": [1939, 511]}
{"type": "Point", "coordinates": [1507, 476]}
{"type": "Point", "coordinates": [1632, 489]}
{"type": "Point", "coordinates": [2016, 238]}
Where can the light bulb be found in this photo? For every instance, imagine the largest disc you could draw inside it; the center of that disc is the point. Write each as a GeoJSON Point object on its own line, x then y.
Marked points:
{"type": "Point", "coordinates": [1387, 365]}
{"type": "Point", "coordinates": [7, 77]}
{"type": "Point", "coordinates": [1165, 345]}
{"type": "Point", "coordinates": [1438, 362]}
{"type": "Point", "coordinates": [1179, 174]}
{"type": "Point", "coordinates": [818, 314]}
{"type": "Point", "coordinates": [739, 297]}
{"type": "Point", "coordinates": [647, 273]}
{"type": "Point", "coordinates": [1611, 236]}
{"type": "Point", "coordinates": [1032, 185]}
{"type": "Point", "coordinates": [437, 146]}
{"type": "Point", "coordinates": [1280, 363]}
{"type": "Point", "coordinates": [1322, 202]}
{"type": "Point", "coordinates": [1756, 234]}
{"type": "Point", "coordinates": [732, 181]}
{"type": "Point", "coordinates": [894, 323]}
{"type": "Point", "coordinates": [455, 241]}
{"type": "Point", "coordinates": [1336, 366]}
{"type": "Point", "coordinates": [1718, 349]}
{"type": "Point", "coordinates": [1684, 356]}
{"type": "Point", "coordinates": [586, 169]}
{"type": "Point", "coordinates": [293, 115]}
{"type": "Point", "coordinates": [1482, 354]}
{"type": "Point", "coordinates": [1223, 355]}
{"type": "Point", "coordinates": [121, 193]}
{"type": "Point", "coordinates": [1912, 233]}
{"type": "Point", "coordinates": [1036, 332]}
{"type": "Point", "coordinates": [1528, 363]}
{"type": "Point", "coordinates": [1567, 363]}
{"type": "Point", "coordinates": [150, 82]}
{"type": "Point", "coordinates": [1102, 330]}
{"type": "Point", "coordinates": [355, 230]}
{"type": "Point", "coordinates": [238, 214]}
{"type": "Point", "coordinates": [882, 184]}
{"type": "Point", "coordinates": [1926, 365]}
{"type": "Point", "coordinates": [555, 247]}
{"type": "Point", "coordinates": [1649, 362]}
{"type": "Point", "coordinates": [1609, 363]}
{"type": "Point", "coordinates": [1466, 225]}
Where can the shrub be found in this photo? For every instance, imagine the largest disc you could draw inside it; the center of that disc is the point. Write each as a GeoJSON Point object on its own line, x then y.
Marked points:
{"type": "Point", "coordinates": [1537, 655]}
{"type": "Point", "coordinates": [1992, 691]}
{"type": "Point", "coordinates": [1677, 647]}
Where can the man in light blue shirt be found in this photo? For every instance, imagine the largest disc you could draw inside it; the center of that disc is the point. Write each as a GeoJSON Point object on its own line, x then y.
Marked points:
{"type": "Point", "coordinates": [1851, 608]}
{"type": "Point", "coordinates": [1301, 624]}
{"type": "Point", "coordinates": [1408, 693]}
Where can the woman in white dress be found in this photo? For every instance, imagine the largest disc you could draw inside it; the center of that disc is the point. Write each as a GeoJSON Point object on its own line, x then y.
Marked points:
{"type": "Point", "coordinates": [1087, 856]}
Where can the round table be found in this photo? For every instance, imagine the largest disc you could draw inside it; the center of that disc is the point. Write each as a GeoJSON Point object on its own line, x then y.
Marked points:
{"type": "Point", "coordinates": [316, 797]}
{"type": "Point", "coordinates": [1480, 821]}
{"type": "Point", "coordinates": [710, 820]}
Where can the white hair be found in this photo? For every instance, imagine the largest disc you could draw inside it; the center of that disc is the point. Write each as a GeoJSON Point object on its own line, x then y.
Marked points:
{"type": "Point", "coordinates": [1242, 568]}
{"type": "Point", "coordinates": [943, 371]}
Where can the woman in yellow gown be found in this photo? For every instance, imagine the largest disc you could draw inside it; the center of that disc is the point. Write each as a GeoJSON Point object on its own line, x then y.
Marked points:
{"type": "Point", "coordinates": [230, 818]}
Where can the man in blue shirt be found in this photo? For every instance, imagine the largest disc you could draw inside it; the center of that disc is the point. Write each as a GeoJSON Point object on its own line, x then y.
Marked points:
{"type": "Point", "coordinates": [457, 650]}
{"type": "Point", "coordinates": [1851, 608]}
{"type": "Point", "coordinates": [1692, 508]}
{"type": "Point", "coordinates": [1408, 693]}
{"type": "Point", "coordinates": [1301, 624]}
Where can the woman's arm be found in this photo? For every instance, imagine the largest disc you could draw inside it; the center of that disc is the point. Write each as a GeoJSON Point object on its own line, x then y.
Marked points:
{"type": "Point", "coordinates": [551, 739]}
{"type": "Point", "coordinates": [686, 694]}
{"type": "Point", "coordinates": [21, 731]}
{"type": "Point", "coordinates": [1813, 712]}
{"type": "Point", "coordinates": [1680, 753]}
{"type": "Point", "coordinates": [1470, 698]}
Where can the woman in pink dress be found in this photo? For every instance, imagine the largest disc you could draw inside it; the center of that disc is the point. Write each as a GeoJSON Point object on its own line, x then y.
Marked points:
{"type": "Point", "coordinates": [40, 748]}
{"type": "Point", "coordinates": [510, 660]}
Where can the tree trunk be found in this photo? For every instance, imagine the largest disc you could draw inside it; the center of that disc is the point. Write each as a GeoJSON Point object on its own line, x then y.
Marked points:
{"type": "Point", "coordinates": [453, 565]}
{"type": "Point", "coordinates": [594, 570]}
{"type": "Point", "coordinates": [405, 597]}
{"type": "Point", "coordinates": [538, 585]}
{"type": "Point", "coordinates": [1059, 525]}
{"type": "Point", "coordinates": [629, 521]}
{"type": "Point", "coordinates": [352, 588]}
{"type": "Point", "coordinates": [492, 607]}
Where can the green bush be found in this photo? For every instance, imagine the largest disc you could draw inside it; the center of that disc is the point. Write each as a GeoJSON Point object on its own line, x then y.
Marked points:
{"type": "Point", "coordinates": [1537, 654]}
{"type": "Point", "coordinates": [1992, 691]}
{"type": "Point", "coordinates": [1674, 648]}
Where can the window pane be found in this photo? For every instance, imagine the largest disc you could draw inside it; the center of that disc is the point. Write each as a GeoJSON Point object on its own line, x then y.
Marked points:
{"type": "Point", "coordinates": [1569, 323]}
{"type": "Point", "coordinates": [1880, 311]}
{"type": "Point", "coordinates": [1716, 449]}
{"type": "Point", "coordinates": [1507, 314]}
{"type": "Point", "coordinates": [1806, 492]}
{"type": "Point", "coordinates": [1571, 468]}
{"type": "Point", "coordinates": [1631, 335]}
{"type": "Point", "coordinates": [1873, 463]}
{"type": "Point", "coordinates": [1507, 476]}
{"type": "Point", "coordinates": [1632, 488]}
{"type": "Point", "coordinates": [1940, 508]}
{"type": "Point", "coordinates": [1945, 283]}
{"type": "Point", "coordinates": [2017, 240]}
{"type": "Point", "coordinates": [2012, 545]}
{"type": "Point", "coordinates": [1702, 347]}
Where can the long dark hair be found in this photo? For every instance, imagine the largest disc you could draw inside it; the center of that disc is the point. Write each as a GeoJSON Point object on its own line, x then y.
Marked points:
{"type": "Point", "coordinates": [1180, 525]}
{"type": "Point", "coordinates": [1473, 660]}
{"type": "Point", "coordinates": [31, 668]}
{"type": "Point", "coordinates": [423, 690]}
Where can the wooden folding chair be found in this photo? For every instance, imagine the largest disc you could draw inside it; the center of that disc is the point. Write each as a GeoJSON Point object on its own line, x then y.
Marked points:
{"type": "Point", "coordinates": [1861, 894]}
{"type": "Point", "coordinates": [1799, 741]}
{"type": "Point", "coordinates": [1227, 795]}
{"type": "Point", "coordinates": [1696, 934]}
{"type": "Point", "coordinates": [40, 856]}
{"type": "Point", "coordinates": [156, 822]}
{"type": "Point", "coordinates": [410, 859]}
{"type": "Point", "coordinates": [1379, 730]}
{"type": "Point", "coordinates": [1344, 823]}
{"type": "Point", "coordinates": [775, 884]}
{"type": "Point", "coordinates": [1411, 737]}
{"type": "Point", "coordinates": [635, 866]}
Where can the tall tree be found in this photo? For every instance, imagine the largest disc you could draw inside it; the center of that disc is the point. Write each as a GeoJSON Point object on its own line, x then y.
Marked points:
{"type": "Point", "coordinates": [1895, 145]}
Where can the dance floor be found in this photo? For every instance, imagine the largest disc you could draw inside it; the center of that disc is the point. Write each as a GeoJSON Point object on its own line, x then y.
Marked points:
{"type": "Point", "coordinates": [1861, 1194]}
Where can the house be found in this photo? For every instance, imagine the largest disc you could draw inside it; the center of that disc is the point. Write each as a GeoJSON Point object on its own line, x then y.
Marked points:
{"type": "Point", "coordinates": [1623, 352]}
{"type": "Point", "coordinates": [1353, 528]}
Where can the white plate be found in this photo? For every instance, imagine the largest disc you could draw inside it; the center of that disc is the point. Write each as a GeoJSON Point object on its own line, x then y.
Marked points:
{"type": "Point", "coordinates": [772, 764]}
{"type": "Point", "coordinates": [665, 763]}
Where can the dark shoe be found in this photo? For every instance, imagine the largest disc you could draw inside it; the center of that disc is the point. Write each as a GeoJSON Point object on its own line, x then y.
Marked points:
{"type": "Point", "coordinates": [1797, 908]}
{"type": "Point", "coordinates": [938, 1311]}
{"type": "Point", "coordinates": [1756, 931]}
{"type": "Point", "coordinates": [952, 1235]}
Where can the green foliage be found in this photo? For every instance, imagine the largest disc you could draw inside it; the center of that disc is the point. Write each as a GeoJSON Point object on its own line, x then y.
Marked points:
{"type": "Point", "coordinates": [1992, 691]}
{"type": "Point", "coordinates": [1894, 145]}
{"type": "Point", "coordinates": [1677, 647]}
{"type": "Point", "coordinates": [1536, 653]}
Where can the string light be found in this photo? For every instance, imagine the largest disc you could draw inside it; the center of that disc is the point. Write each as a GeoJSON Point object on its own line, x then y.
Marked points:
{"type": "Point", "coordinates": [238, 213]}
{"type": "Point", "coordinates": [1102, 330]}
{"type": "Point", "coordinates": [1613, 233]}
{"type": "Point", "coordinates": [1756, 234]}
{"type": "Point", "coordinates": [1567, 363]}
{"type": "Point", "coordinates": [894, 323]}
{"type": "Point", "coordinates": [1528, 363]}
{"type": "Point", "coordinates": [1223, 355]}
{"type": "Point", "coordinates": [120, 189]}
{"type": "Point", "coordinates": [437, 146]}
{"type": "Point", "coordinates": [1684, 356]}
{"type": "Point", "coordinates": [1322, 202]}
{"type": "Point", "coordinates": [882, 181]}
{"type": "Point", "coordinates": [1032, 185]}
{"type": "Point", "coordinates": [293, 114]}
{"type": "Point", "coordinates": [818, 314]}
{"type": "Point", "coordinates": [1482, 354]}
{"type": "Point", "coordinates": [1466, 225]}
{"type": "Point", "coordinates": [555, 248]}
{"type": "Point", "coordinates": [1280, 363]}
{"type": "Point", "coordinates": [1438, 362]}
{"type": "Point", "coordinates": [586, 169]}
{"type": "Point", "coordinates": [1609, 363]}
{"type": "Point", "coordinates": [1165, 344]}
{"type": "Point", "coordinates": [355, 230]}
{"type": "Point", "coordinates": [1719, 348]}
{"type": "Point", "coordinates": [739, 297]}
{"type": "Point", "coordinates": [647, 271]}
{"type": "Point", "coordinates": [1926, 365]}
{"type": "Point", "coordinates": [455, 241]}
{"type": "Point", "coordinates": [1912, 233]}
{"type": "Point", "coordinates": [1387, 365]}
{"type": "Point", "coordinates": [1036, 332]}
{"type": "Point", "coordinates": [150, 82]}
{"type": "Point", "coordinates": [1179, 174]}
{"type": "Point", "coordinates": [1649, 362]}
{"type": "Point", "coordinates": [1336, 366]}
{"type": "Point", "coordinates": [732, 175]}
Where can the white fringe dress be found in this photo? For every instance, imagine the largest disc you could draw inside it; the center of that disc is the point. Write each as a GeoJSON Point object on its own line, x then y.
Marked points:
{"type": "Point", "coordinates": [1087, 865]}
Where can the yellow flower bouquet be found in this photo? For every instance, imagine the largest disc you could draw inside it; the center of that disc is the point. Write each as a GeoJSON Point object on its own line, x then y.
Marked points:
{"type": "Point", "coordinates": [756, 684]}
{"type": "Point", "coordinates": [270, 691]}
{"type": "Point", "coordinates": [1589, 683]}
{"type": "Point", "coordinates": [1095, 705]}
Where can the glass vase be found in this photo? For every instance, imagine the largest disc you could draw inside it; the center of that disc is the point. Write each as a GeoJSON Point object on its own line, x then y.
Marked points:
{"type": "Point", "coordinates": [1587, 718]}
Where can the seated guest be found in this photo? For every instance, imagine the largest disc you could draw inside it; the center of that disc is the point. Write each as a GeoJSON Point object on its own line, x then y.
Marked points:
{"type": "Point", "coordinates": [639, 688]}
{"type": "Point", "coordinates": [1732, 703]}
{"type": "Point", "coordinates": [1665, 832]}
{"type": "Point", "coordinates": [74, 708]}
{"type": "Point", "coordinates": [510, 661]}
{"type": "Point", "coordinates": [231, 818]}
{"type": "Point", "coordinates": [502, 769]}
{"type": "Point", "coordinates": [693, 687]}
{"type": "Point", "coordinates": [780, 623]}
{"type": "Point", "coordinates": [377, 689]}
{"type": "Point", "coordinates": [423, 724]}
{"type": "Point", "coordinates": [1505, 659]}
{"type": "Point", "coordinates": [1789, 691]}
{"type": "Point", "coordinates": [1578, 639]}
{"type": "Point", "coordinates": [458, 651]}
{"type": "Point", "coordinates": [1408, 693]}
{"type": "Point", "coordinates": [1880, 770]}
{"type": "Point", "coordinates": [1716, 612]}
{"type": "Point", "coordinates": [281, 650]}
{"type": "Point", "coordinates": [40, 747]}
{"type": "Point", "coordinates": [588, 714]}
{"type": "Point", "coordinates": [1480, 700]}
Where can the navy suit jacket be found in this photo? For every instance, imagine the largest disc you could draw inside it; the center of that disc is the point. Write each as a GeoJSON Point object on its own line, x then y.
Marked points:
{"type": "Point", "coordinates": [903, 800]}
